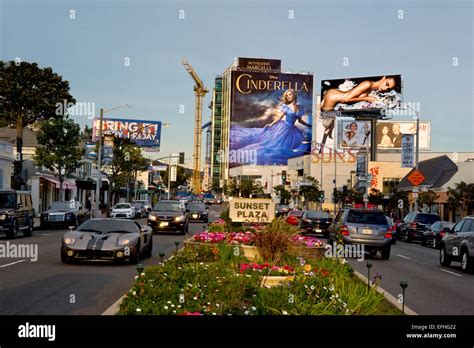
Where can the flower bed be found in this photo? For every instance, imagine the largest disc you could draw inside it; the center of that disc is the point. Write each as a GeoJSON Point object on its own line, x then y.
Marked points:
{"type": "Point", "coordinates": [266, 268]}
{"type": "Point", "coordinates": [309, 247]}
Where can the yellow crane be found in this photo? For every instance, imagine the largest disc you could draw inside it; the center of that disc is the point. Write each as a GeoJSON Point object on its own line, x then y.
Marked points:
{"type": "Point", "coordinates": [199, 92]}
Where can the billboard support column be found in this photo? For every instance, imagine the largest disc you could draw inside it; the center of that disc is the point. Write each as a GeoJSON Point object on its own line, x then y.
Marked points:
{"type": "Point", "coordinates": [417, 152]}
{"type": "Point", "coordinates": [99, 162]}
{"type": "Point", "coordinates": [373, 140]}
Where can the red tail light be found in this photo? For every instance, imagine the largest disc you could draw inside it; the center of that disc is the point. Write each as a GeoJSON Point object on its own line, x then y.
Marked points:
{"type": "Point", "coordinates": [388, 234]}
{"type": "Point", "coordinates": [344, 230]}
{"type": "Point", "coordinates": [413, 224]}
{"type": "Point", "coordinates": [442, 233]}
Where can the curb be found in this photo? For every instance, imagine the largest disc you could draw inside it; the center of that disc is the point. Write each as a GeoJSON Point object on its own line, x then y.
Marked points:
{"type": "Point", "coordinates": [389, 297]}
{"type": "Point", "coordinates": [114, 308]}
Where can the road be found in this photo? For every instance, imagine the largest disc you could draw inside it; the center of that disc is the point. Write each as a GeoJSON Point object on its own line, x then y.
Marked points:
{"type": "Point", "coordinates": [432, 289]}
{"type": "Point", "coordinates": [49, 287]}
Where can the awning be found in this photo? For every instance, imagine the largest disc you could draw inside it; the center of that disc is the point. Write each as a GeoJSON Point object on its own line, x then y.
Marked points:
{"type": "Point", "coordinates": [67, 185]}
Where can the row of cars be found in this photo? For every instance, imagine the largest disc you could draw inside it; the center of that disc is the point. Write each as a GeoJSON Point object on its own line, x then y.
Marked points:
{"type": "Point", "coordinates": [378, 232]}
{"type": "Point", "coordinates": [119, 239]}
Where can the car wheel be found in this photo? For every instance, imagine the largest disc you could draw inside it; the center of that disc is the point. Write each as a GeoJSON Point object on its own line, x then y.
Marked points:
{"type": "Point", "coordinates": [29, 231]}
{"type": "Point", "coordinates": [406, 237]}
{"type": "Point", "coordinates": [149, 249]}
{"type": "Point", "coordinates": [444, 258]}
{"type": "Point", "coordinates": [13, 231]}
{"type": "Point", "coordinates": [135, 257]}
{"type": "Point", "coordinates": [385, 253]}
{"type": "Point", "coordinates": [466, 262]}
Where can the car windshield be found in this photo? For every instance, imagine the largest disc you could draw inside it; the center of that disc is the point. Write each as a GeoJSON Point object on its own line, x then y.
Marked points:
{"type": "Point", "coordinates": [366, 217]}
{"type": "Point", "coordinates": [107, 226]}
{"type": "Point", "coordinates": [427, 218]}
{"type": "Point", "coordinates": [295, 213]}
{"type": "Point", "coordinates": [62, 206]}
{"type": "Point", "coordinates": [7, 200]}
{"type": "Point", "coordinates": [313, 214]}
{"type": "Point", "coordinates": [168, 206]}
{"type": "Point", "coordinates": [196, 206]}
{"type": "Point", "coordinates": [122, 206]}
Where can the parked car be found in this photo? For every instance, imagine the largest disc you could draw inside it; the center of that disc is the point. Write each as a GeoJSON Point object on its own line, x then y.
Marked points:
{"type": "Point", "coordinates": [393, 229]}
{"type": "Point", "coordinates": [146, 204]}
{"type": "Point", "coordinates": [458, 245]}
{"type": "Point", "coordinates": [415, 224]}
{"type": "Point", "coordinates": [315, 221]}
{"type": "Point", "coordinates": [16, 213]}
{"type": "Point", "coordinates": [433, 236]}
{"type": "Point", "coordinates": [63, 214]}
{"type": "Point", "coordinates": [294, 217]}
{"type": "Point", "coordinates": [281, 210]}
{"type": "Point", "coordinates": [198, 212]}
{"type": "Point", "coordinates": [169, 215]}
{"type": "Point", "coordinates": [107, 239]}
{"type": "Point", "coordinates": [140, 210]}
{"type": "Point", "coordinates": [123, 210]}
{"type": "Point", "coordinates": [367, 227]}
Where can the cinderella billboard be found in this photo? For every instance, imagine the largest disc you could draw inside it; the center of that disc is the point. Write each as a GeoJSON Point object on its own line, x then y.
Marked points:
{"type": "Point", "coordinates": [271, 117]}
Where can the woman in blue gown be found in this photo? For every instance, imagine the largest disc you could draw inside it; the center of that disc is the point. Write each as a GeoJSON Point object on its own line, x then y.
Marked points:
{"type": "Point", "coordinates": [276, 141]}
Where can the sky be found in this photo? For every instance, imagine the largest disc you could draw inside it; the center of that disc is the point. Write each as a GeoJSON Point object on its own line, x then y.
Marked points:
{"type": "Point", "coordinates": [129, 52]}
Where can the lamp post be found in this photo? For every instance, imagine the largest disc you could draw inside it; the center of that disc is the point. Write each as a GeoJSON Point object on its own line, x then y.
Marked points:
{"type": "Point", "coordinates": [99, 158]}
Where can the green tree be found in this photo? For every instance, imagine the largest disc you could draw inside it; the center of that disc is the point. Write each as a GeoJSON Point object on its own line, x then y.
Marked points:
{"type": "Point", "coordinates": [427, 198]}
{"type": "Point", "coordinates": [311, 192]}
{"type": "Point", "coordinates": [462, 195]}
{"type": "Point", "coordinates": [58, 148]}
{"type": "Point", "coordinates": [29, 94]}
{"type": "Point", "coordinates": [181, 177]}
{"type": "Point", "coordinates": [283, 193]}
{"type": "Point", "coordinates": [375, 197]}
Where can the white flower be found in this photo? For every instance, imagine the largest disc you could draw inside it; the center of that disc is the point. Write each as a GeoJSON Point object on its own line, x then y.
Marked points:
{"type": "Point", "coordinates": [214, 313]}
{"type": "Point", "coordinates": [284, 313]}
{"type": "Point", "coordinates": [218, 305]}
{"type": "Point", "coordinates": [179, 306]}
{"type": "Point", "coordinates": [209, 303]}
{"type": "Point", "coordinates": [174, 311]}
{"type": "Point", "coordinates": [202, 263]}
{"type": "Point", "coordinates": [143, 273]}
{"type": "Point", "coordinates": [172, 306]}
{"type": "Point", "coordinates": [254, 308]}
{"type": "Point", "coordinates": [312, 287]}
{"type": "Point", "coordinates": [195, 298]}
{"type": "Point", "coordinates": [134, 293]}
{"type": "Point", "coordinates": [139, 310]}
{"type": "Point", "coordinates": [136, 277]}
{"type": "Point", "coordinates": [246, 312]}
{"type": "Point", "coordinates": [166, 307]}
{"type": "Point", "coordinates": [168, 301]}
{"type": "Point", "coordinates": [306, 286]}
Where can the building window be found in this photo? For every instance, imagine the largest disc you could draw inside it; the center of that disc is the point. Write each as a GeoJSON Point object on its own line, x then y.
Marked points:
{"type": "Point", "coordinates": [389, 184]}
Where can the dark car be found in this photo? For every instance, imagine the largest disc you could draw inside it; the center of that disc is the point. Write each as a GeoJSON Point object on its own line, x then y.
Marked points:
{"type": "Point", "coordinates": [282, 210]}
{"type": "Point", "coordinates": [16, 213]}
{"type": "Point", "coordinates": [198, 212]}
{"type": "Point", "coordinates": [140, 209]}
{"type": "Point", "coordinates": [458, 245]}
{"type": "Point", "coordinates": [315, 221]}
{"type": "Point", "coordinates": [169, 215]}
{"type": "Point", "coordinates": [107, 239]}
{"type": "Point", "coordinates": [64, 214]}
{"type": "Point", "coordinates": [294, 217]}
{"type": "Point", "coordinates": [433, 236]}
{"type": "Point", "coordinates": [367, 227]}
{"type": "Point", "coordinates": [415, 224]}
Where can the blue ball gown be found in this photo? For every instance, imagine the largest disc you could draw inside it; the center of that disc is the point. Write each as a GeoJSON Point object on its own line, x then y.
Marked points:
{"type": "Point", "coordinates": [273, 145]}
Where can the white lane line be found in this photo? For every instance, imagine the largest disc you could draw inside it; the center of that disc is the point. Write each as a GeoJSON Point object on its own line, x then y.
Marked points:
{"type": "Point", "coordinates": [9, 264]}
{"type": "Point", "coordinates": [403, 256]}
{"type": "Point", "coordinates": [45, 234]}
{"type": "Point", "coordinates": [451, 272]}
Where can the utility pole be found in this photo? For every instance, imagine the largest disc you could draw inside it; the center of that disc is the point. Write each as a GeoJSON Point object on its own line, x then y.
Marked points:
{"type": "Point", "coordinates": [417, 154]}
{"type": "Point", "coordinates": [99, 162]}
{"type": "Point", "coordinates": [169, 175]}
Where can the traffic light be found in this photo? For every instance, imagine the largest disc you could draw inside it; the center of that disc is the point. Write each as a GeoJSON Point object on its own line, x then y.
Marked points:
{"type": "Point", "coordinates": [283, 177]}
{"type": "Point", "coordinates": [321, 196]}
{"type": "Point", "coordinates": [181, 158]}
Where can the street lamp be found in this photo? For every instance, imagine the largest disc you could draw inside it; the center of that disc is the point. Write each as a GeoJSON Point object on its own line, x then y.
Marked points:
{"type": "Point", "coordinates": [99, 158]}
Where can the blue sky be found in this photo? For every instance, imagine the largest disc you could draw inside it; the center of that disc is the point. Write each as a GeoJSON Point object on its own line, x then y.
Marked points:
{"type": "Point", "coordinates": [90, 50]}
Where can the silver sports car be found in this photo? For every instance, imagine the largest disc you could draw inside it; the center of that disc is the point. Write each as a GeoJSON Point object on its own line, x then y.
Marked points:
{"type": "Point", "coordinates": [107, 239]}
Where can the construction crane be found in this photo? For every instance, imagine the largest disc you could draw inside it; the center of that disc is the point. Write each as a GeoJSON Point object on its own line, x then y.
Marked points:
{"type": "Point", "coordinates": [199, 92]}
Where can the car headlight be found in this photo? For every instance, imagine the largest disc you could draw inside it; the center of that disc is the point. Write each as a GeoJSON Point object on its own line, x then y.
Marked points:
{"type": "Point", "coordinates": [152, 217]}
{"type": "Point", "coordinates": [3, 217]}
{"type": "Point", "coordinates": [69, 241]}
{"type": "Point", "coordinates": [179, 218]}
{"type": "Point", "coordinates": [122, 242]}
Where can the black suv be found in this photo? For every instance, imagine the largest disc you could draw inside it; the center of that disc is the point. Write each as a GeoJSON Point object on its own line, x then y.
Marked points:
{"type": "Point", "coordinates": [415, 224]}
{"type": "Point", "coordinates": [16, 213]}
{"type": "Point", "coordinates": [169, 215]}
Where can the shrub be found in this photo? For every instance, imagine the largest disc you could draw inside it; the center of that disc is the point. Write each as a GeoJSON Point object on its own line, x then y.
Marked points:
{"type": "Point", "coordinates": [276, 240]}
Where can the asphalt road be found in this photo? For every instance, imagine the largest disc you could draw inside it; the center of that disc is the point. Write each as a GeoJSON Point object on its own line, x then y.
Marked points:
{"type": "Point", "coordinates": [432, 289]}
{"type": "Point", "coordinates": [49, 287]}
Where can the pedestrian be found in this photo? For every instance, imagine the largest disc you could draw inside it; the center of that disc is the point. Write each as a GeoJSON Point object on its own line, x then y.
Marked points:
{"type": "Point", "coordinates": [88, 204]}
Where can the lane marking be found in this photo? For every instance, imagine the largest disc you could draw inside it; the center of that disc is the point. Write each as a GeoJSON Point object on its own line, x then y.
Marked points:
{"type": "Point", "coordinates": [451, 272]}
{"type": "Point", "coordinates": [405, 257]}
{"type": "Point", "coordinates": [9, 264]}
